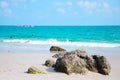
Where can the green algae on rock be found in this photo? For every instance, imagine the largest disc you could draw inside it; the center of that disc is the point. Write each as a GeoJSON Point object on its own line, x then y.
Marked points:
{"type": "Point", "coordinates": [35, 70]}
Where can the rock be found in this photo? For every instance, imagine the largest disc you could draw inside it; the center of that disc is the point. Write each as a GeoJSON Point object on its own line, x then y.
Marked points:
{"type": "Point", "coordinates": [72, 63]}
{"type": "Point", "coordinates": [102, 64]}
{"type": "Point", "coordinates": [91, 64]}
{"type": "Point", "coordinates": [59, 55]}
{"type": "Point", "coordinates": [57, 49]}
{"type": "Point", "coordinates": [50, 63]}
{"type": "Point", "coordinates": [34, 70]}
{"type": "Point", "coordinates": [79, 53]}
{"type": "Point", "coordinates": [79, 61]}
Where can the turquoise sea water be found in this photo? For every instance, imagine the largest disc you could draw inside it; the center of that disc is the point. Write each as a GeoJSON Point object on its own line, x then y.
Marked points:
{"type": "Point", "coordinates": [92, 36]}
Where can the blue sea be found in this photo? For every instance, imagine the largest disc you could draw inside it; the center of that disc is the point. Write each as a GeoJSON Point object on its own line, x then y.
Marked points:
{"type": "Point", "coordinates": [37, 39]}
{"type": "Point", "coordinates": [89, 36]}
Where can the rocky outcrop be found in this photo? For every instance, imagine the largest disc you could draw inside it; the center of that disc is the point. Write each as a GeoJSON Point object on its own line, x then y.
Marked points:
{"type": "Point", "coordinates": [56, 49]}
{"type": "Point", "coordinates": [79, 53]}
{"type": "Point", "coordinates": [59, 55]}
{"type": "Point", "coordinates": [70, 64]}
{"type": "Point", "coordinates": [35, 70]}
{"type": "Point", "coordinates": [102, 65]}
{"type": "Point", "coordinates": [50, 63]}
{"type": "Point", "coordinates": [79, 61]}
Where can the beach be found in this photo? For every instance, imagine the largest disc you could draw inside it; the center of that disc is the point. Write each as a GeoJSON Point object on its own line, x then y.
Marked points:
{"type": "Point", "coordinates": [59, 40]}
{"type": "Point", "coordinates": [23, 47]}
{"type": "Point", "coordinates": [14, 65]}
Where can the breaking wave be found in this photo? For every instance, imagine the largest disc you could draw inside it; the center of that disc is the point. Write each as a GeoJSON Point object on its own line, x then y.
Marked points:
{"type": "Point", "coordinates": [61, 43]}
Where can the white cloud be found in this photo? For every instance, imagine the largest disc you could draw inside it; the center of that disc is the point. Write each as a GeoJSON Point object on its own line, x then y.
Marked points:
{"type": "Point", "coordinates": [106, 8]}
{"type": "Point", "coordinates": [5, 8]}
{"type": "Point", "coordinates": [96, 6]}
{"type": "Point", "coordinates": [23, 4]}
{"type": "Point", "coordinates": [33, 1]}
{"type": "Point", "coordinates": [19, 0]}
{"type": "Point", "coordinates": [87, 4]}
{"type": "Point", "coordinates": [8, 11]}
{"type": "Point", "coordinates": [62, 7]}
{"type": "Point", "coordinates": [58, 3]}
{"type": "Point", "coordinates": [90, 7]}
{"type": "Point", "coordinates": [106, 5]}
{"type": "Point", "coordinates": [3, 4]}
{"type": "Point", "coordinates": [69, 3]}
{"type": "Point", "coordinates": [61, 10]}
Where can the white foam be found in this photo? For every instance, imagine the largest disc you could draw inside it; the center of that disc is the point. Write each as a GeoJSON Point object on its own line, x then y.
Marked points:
{"type": "Point", "coordinates": [16, 41]}
{"type": "Point", "coordinates": [64, 43]}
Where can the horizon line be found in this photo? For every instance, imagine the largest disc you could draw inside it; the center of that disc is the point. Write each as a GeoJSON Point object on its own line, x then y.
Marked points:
{"type": "Point", "coordinates": [28, 25]}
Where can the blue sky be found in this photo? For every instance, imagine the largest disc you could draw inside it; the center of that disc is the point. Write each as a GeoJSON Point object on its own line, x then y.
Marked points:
{"type": "Point", "coordinates": [60, 12]}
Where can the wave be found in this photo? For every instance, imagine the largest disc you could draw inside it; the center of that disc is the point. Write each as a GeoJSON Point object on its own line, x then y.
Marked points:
{"type": "Point", "coordinates": [62, 43]}
{"type": "Point", "coordinates": [15, 41]}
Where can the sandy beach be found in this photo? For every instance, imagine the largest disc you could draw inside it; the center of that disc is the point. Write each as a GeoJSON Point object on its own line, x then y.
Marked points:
{"type": "Point", "coordinates": [84, 33]}
{"type": "Point", "coordinates": [13, 66]}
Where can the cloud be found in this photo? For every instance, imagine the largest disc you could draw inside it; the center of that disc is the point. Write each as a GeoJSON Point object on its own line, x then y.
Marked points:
{"type": "Point", "coordinates": [107, 8]}
{"type": "Point", "coordinates": [58, 3]}
{"type": "Point", "coordinates": [69, 3]}
{"type": "Point", "coordinates": [61, 10]}
{"type": "Point", "coordinates": [63, 7]}
{"type": "Point", "coordinates": [19, 0]}
{"type": "Point", "coordinates": [17, 3]}
{"type": "Point", "coordinates": [6, 6]}
{"type": "Point", "coordinates": [3, 4]}
{"type": "Point", "coordinates": [96, 6]}
{"type": "Point", "coordinates": [106, 5]}
{"type": "Point", "coordinates": [8, 12]}
{"type": "Point", "coordinates": [22, 1]}
{"type": "Point", "coordinates": [33, 1]}
{"type": "Point", "coordinates": [87, 4]}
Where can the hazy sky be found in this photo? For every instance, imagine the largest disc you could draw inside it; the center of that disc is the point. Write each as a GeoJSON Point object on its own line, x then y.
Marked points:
{"type": "Point", "coordinates": [60, 12]}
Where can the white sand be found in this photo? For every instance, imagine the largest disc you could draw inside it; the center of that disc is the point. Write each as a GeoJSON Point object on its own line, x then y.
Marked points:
{"type": "Point", "coordinates": [14, 65]}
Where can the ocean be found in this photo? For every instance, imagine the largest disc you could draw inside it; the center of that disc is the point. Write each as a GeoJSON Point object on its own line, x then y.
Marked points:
{"type": "Point", "coordinates": [91, 34]}
{"type": "Point", "coordinates": [42, 37]}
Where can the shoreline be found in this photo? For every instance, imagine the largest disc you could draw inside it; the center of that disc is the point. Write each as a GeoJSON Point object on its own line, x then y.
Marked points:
{"type": "Point", "coordinates": [66, 42]}
{"type": "Point", "coordinates": [14, 66]}
{"type": "Point", "coordinates": [28, 48]}
{"type": "Point", "coordinates": [15, 59]}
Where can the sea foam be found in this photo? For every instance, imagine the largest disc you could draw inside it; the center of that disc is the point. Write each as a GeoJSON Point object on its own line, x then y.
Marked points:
{"type": "Point", "coordinates": [62, 43]}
